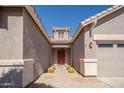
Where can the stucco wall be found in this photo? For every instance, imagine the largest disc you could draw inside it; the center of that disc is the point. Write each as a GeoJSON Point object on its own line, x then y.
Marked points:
{"type": "Point", "coordinates": [21, 41]}
{"type": "Point", "coordinates": [67, 56]}
{"type": "Point", "coordinates": [111, 24]}
{"type": "Point", "coordinates": [89, 51]}
{"type": "Point", "coordinates": [54, 56]}
{"type": "Point", "coordinates": [11, 47]}
{"type": "Point", "coordinates": [11, 33]}
{"type": "Point", "coordinates": [35, 46]}
{"type": "Point", "coordinates": [78, 51]}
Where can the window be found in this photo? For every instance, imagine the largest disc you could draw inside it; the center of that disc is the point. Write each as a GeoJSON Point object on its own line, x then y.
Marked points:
{"type": "Point", "coordinates": [120, 45]}
{"type": "Point", "coordinates": [105, 45]}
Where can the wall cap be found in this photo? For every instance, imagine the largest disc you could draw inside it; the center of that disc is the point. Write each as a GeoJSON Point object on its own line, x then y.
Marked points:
{"type": "Point", "coordinates": [16, 62]}
{"type": "Point", "coordinates": [112, 37]}
{"type": "Point", "coordinates": [89, 60]}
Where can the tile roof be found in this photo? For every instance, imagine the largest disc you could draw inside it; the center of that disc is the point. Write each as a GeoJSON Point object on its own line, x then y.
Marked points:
{"type": "Point", "coordinates": [95, 18]}
{"type": "Point", "coordinates": [60, 28]}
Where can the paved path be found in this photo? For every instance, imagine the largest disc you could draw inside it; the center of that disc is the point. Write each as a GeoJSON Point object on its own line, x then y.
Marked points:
{"type": "Point", "coordinates": [114, 82]}
{"type": "Point", "coordinates": [62, 79]}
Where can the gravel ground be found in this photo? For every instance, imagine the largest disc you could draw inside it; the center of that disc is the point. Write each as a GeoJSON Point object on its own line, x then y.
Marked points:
{"type": "Point", "coordinates": [62, 79]}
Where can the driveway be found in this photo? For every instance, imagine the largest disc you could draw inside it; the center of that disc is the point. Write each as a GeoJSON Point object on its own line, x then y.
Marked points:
{"type": "Point", "coordinates": [114, 82]}
{"type": "Point", "coordinates": [62, 79]}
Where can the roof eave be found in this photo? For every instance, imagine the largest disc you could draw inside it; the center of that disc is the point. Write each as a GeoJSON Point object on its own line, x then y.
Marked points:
{"type": "Point", "coordinates": [83, 23]}
{"type": "Point", "coordinates": [38, 22]}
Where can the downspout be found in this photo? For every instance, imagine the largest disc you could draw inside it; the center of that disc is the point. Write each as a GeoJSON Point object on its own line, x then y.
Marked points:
{"type": "Point", "coordinates": [91, 39]}
{"type": "Point", "coordinates": [95, 22]}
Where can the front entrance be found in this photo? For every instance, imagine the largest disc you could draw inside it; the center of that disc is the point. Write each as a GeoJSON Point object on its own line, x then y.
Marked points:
{"type": "Point", "coordinates": [61, 56]}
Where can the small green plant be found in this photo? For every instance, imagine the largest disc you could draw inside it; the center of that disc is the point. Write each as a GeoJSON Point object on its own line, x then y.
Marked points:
{"type": "Point", "coordinates": [68, 67]}
{"type": "Point", "coordinates": [54, 67]}
{"type": "Point", "coordinates": [51, 70]}
{"type": "Point", "coordinates": [71, 70]}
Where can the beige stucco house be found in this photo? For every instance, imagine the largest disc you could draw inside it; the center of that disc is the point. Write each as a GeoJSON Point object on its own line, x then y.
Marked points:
{"type": "Point", "coordinates": [26, 50]}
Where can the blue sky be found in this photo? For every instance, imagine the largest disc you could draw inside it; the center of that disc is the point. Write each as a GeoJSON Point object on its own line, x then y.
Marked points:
{"type": "Point", "coordinates": [67, 16]}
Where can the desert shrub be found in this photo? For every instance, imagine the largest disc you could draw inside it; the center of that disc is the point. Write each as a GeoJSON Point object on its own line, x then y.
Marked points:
{"type": "Point", "coordinates": [54, 67]}
{"type": "Point", "coordinates": [51, 70]}
{"type": "Point", "coordinates": [68, 67]}
{"type": "Point", "coordinates": [71, 70]}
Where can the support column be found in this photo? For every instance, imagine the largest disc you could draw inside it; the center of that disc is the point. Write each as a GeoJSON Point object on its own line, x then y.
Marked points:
{"type": "Point", "coordinates": [88, 67]}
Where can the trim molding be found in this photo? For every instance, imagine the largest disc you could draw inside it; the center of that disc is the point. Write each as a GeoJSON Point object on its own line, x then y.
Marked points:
{"type": "Point", "coordinates": [106, 37]}
{"type": "Point", "coordinates": [16, 62]}
{"type": "Point", "coordinates": [89, 60]}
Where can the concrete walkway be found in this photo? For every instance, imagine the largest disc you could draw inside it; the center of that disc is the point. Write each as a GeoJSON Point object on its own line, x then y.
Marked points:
{"type": "Point", "coordinates": [62, 79]}
{"type": "Point", "coordinates": [114, 82]}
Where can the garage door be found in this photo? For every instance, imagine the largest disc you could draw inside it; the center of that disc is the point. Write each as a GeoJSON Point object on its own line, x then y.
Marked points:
{"type": "Point", "coordinates": [110, 59]}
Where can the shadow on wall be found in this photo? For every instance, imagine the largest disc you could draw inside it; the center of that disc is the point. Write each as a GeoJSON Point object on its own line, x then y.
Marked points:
{"type": "Point", "coordinates": [11, 79]}
{"type": "Point", "coordinates": [40, 85]}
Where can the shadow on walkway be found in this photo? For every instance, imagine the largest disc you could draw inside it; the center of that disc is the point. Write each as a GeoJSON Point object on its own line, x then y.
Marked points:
{"type": "Point", "coordinates": [40, 85]}
{"type": "Point", "coordinates": [11, 78]}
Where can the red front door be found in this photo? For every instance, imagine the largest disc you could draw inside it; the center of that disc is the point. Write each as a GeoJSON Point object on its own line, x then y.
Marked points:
{"type": "Point", "coordinates": [61, 56]}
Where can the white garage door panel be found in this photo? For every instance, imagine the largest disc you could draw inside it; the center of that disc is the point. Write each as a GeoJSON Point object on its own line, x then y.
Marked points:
{"type": "Point", "coordinates": [110, 61]}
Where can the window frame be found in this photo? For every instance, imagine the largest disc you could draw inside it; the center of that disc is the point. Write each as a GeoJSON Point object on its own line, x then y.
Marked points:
{"type": "Point", "coordinates": [120, 45]}
{"type": "Point", "coordinates": [105, 45]}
